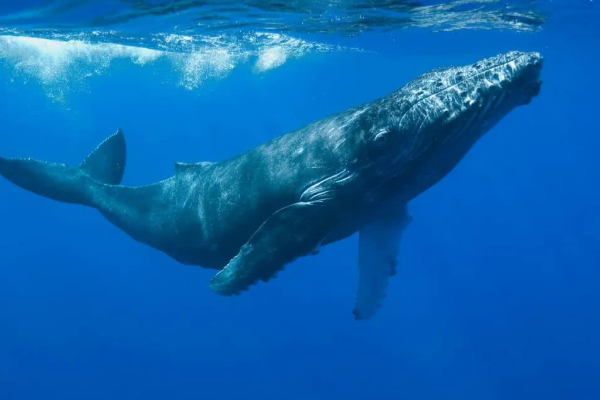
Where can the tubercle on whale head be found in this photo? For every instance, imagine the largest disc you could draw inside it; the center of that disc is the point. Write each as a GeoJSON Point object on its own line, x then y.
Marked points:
{"type": "Point", "coordinates": [451, 106]}
{"type": "Point", "coordinates": [485, 90]}
{"type": "Point", "coordinates": [462, 102]}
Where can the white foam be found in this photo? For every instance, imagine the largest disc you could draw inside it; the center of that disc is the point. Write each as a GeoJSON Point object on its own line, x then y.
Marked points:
{"type": "Point", "coordinates": [196, 67]}
{"type": "Point", "coordinates": [61, 65]}
{"type": "Point", "coordinates": [276, 49]}
{"type": "Point", "coordinates": [271, 57]}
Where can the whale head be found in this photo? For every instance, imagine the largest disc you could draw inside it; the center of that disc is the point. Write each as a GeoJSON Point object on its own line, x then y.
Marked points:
{"type": "Point", "coordinates": [423, 130]}
{"type": "Point", "coordinates": [460, 104]}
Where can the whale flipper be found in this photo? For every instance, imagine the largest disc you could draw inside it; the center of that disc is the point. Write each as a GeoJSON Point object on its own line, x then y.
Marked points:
{"type": "Point", "coordinates": [67, 184]}
{"type": "Point", "coordinates": [379, 244]}
{"type": "Point", "coordinates": [293, 231]}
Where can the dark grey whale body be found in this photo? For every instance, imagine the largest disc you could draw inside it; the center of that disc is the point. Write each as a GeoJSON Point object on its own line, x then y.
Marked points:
{"type": "Point", "coordinates": [353, 172]}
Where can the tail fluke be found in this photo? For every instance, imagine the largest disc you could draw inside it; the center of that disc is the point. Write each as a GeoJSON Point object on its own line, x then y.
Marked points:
{"type": "Point", "coordinates": [69, 184]}
{"type": "Point", "coordinates": [106, 164]}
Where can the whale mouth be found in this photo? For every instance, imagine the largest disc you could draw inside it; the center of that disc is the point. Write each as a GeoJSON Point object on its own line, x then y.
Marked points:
{"type": "Point", "coordinates": [528, 81]}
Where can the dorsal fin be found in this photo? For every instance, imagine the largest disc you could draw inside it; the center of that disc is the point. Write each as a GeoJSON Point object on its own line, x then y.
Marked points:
{"type": "Point", "coordinates": [106, 163]}
{"type": "Point", "coordinates": [183, 166]}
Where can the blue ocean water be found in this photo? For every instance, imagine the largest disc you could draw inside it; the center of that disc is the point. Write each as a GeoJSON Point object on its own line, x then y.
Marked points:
{"type": "Point", "coordinates": [498, 290]}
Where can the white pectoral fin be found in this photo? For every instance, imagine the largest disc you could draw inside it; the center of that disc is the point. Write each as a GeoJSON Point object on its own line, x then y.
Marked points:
{"type": "Point", "coordinates": [293, 231]}
{"type": "Point", "coordinates": [379, 246]}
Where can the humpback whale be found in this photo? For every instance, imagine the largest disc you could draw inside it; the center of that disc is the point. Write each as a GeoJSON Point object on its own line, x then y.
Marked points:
{"type": "Point", "coordinates": [356, 171]}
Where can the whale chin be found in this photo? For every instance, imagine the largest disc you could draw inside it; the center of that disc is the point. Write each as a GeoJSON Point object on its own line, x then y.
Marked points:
{"type": "Point", "coordinates": [529, 82]}
{"type": "Point", "coordinates": [531, 90]}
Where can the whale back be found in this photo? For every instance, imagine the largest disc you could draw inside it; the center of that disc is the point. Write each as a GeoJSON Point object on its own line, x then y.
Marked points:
{"type": "Point", "coordinates": [189, 167]}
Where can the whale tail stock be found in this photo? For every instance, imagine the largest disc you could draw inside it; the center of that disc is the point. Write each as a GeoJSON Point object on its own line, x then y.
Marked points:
{"type": "Point", "coordinates": [60, 182]}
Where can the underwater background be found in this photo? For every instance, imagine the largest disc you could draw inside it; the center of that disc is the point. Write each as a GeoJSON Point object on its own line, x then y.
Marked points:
{"type": "Point", "coordinates": [497, 294]}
